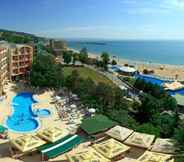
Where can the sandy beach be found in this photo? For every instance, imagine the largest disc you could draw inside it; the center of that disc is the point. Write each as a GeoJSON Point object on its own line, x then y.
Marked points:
{"type": "Point", "coordinates": [165, 71]}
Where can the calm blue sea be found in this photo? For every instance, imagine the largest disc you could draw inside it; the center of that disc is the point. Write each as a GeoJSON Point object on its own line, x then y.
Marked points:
{"type": "Point", "coordinates": [165, 52]}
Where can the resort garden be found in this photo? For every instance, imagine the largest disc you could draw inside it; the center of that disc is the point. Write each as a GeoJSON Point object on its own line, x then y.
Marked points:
{"type": "Point", "coordinates": [155, 113]}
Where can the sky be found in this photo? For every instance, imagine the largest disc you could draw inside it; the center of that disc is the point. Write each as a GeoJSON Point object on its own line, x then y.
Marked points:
{"type": "Point", "coordinates": [95, 19]}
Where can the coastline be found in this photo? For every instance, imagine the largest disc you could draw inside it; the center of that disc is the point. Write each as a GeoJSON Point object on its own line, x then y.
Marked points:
{"type": "Point", "coordinates": [160, 70]}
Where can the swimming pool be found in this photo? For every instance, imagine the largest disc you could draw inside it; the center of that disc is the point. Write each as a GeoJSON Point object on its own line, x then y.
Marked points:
{"type": "Point", "coordinates": [150, 79]}
{"type": "Point", "coordinates": [42, 112]}
{"type": "Point", "coordinates": [179, 91]}
{"type": "Point", "coordinates": [159, 82]}
{"type": "Point", "coordinates": [22, 119]}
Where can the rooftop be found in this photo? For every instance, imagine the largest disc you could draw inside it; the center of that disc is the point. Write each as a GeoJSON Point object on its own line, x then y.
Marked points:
{"type": "Point", "coordinates": [173, 86]}
{"type": "Point", "coordinates": [123, 68]}
{"type": "Point", "coordinates": [110, 148]}
{"type": "Point", "coordinates": [141, 140]}
{"type": "Point", "coordinates": [101, 122]}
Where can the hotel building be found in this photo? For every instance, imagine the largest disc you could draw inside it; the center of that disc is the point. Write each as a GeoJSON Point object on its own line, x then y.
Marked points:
{"type": "Point", "coordinates": [20, 60]}
{"type": "Point", "coordinates": [15, 61]}
{"type": "Point", "coordinates": [3, 67]}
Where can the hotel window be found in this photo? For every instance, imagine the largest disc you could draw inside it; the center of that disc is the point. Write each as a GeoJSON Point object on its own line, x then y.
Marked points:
{"type": "Point", "coordinates": [15, 58]}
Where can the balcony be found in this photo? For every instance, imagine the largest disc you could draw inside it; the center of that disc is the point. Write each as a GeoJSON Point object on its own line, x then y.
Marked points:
{"type": "Point", "coordinates": [22, 70]}
{"type": "Point", "coordinates": [15, 58]}
{"type": "Point", "coordinates": [25, 53]}
{"type": "Point", "coordinates": [15, 64]}
{"type": "Point", "coordinates": [15, 71]}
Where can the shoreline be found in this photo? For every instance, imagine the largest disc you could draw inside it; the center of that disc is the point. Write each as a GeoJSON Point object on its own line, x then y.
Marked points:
{"type": "Point", "coordinates": [160, 70]}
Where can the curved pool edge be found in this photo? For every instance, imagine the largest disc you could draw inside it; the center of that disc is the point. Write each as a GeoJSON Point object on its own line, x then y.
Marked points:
{"type": "Point", "coordinates": [20, 132]}
{"type": "Point", "coordinates": [34, 98]}
{"type": "Point", "coordinates": [51, 113]}
{"type": "Point", "coordinates": [12, 111]}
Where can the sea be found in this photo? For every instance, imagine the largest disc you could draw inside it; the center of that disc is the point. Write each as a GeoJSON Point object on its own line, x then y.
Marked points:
{"type": "Point", "coordinates": [162, 51]}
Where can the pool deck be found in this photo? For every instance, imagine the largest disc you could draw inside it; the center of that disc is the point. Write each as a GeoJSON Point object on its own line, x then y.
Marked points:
{"type": "Point", "coordinates": [44, 100]}
{"type": "Point", "coordinates": [53, 120]}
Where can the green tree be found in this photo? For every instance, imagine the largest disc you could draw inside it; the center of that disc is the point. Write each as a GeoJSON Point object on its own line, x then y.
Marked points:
{"type": "Point", "coordinates": [45, 72]}
{"type": "Point", "coordinates": [75, 57]}
{"type": "Point", "coordinates": [105, 60]}
{"type": "Point", "coordinates": [179, 142]}
{"type": "Point", "coordinates": [83, 55]}
{"type": "Point", "coordinates": [149, 128]}
{"type": "Point", "coordinates": [167, 124]}
{"type": "Point", "coordinates": [85, 91]}
{"type": "Point", "coordinates": [114, 62]}
{"type": "Point", "coordinates": [149, 107]}
{"type": "Point", "coordinates": [104, 94]}
{"type": "Point", "coordinates": [169, 103]}
{"type": "Point", "coordinates": [99, 63]}
{"type": "Point", "coordinates": [16, 38]}
{"type": "Point", "coordinates": [150, 88]}
{"type": "Point", "coordinates": [67, 57]}
{"type": "Point", "coordinates": [122, 117]}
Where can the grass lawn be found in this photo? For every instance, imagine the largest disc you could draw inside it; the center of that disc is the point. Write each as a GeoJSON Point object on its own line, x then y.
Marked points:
{"type": "Point", "coordinates": [88, 73]}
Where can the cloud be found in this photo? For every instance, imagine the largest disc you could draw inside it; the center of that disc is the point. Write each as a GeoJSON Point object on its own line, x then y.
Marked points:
{"type": "Point", "coordinates": [146, 10]}
{"type": "Point", "coordinates": [87, 28]}
{"type": "Point", "coordinates": [152, 6]}
{"type": "Point", "coordinates": [91, 30]}
{"type": "Point", "coordinates": [129, 2]}
{"type": "Point", "coordinates": [172, 4]}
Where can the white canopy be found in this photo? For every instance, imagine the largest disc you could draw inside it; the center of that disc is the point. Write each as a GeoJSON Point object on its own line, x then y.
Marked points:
{"type": "Point", "coordinates": [163, 146]}
{"type": "Point", "coordinates": [125, 69]}
{"type": "Point", "coordinates": [155, 157]}
{"type": "Point", "coordinates": [141, 140]}
{"type": "Point", "coordinates": [119, 133]}
{"type": "Point", "coordinates": [92, 110]}
{"type": "Point", "coordinates": [74, 95]}
{"type": "Point", "coordinates": [57, 98]}
{"type": "Point", "coordinates": [73, 106]}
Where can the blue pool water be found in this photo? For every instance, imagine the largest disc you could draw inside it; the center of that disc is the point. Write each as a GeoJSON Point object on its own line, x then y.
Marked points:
{"type": "Point", "coordinates": [151, 79]}
{"type": "Point", "coordinates": [22, 118]}
{"type": "Point", "coordinates": [179, 91]}
{"type": "Point", "coordinates": [42, 113]}
{"type": "Point", "coordinates": [159, 82]}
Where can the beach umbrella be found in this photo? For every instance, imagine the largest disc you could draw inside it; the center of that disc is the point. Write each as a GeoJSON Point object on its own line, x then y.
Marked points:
{"type": "Point", "coordinates": [51, 134]}
{"type": "Point", "coordinates": [141, 140]}
{"type": "Point", "coordinates": [74, 95]}
{"type": "Point", "coordinates": [110, 148]}
{"type": "Point", "coordinates": [154, 156]}
{"type": "Point", "coordinates": [57, 98]}
{"type": "Point", "coordinates": [119, 133]}
{"type": "Point", "coordinates": [122, 87]}
{"type": "Point", "coordinates": [73, 106]}
{"type": "Point", "coordinates": [87, 155]}
{"type": "Point", "coordinates": [163, 145]}
{"type": "Point", "coordinates": [92, 110]}
{"type": "Point", "coordinates": [27, 143]}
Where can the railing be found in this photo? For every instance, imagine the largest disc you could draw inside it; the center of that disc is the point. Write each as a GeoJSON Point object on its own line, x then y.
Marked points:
{"type": "Point", "coordinates": [164, 78]}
